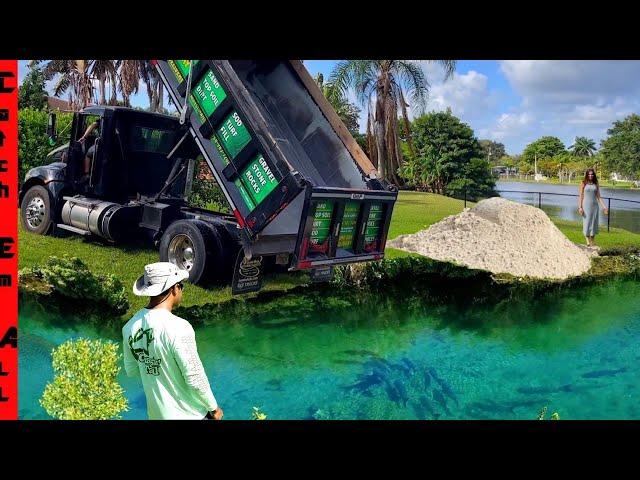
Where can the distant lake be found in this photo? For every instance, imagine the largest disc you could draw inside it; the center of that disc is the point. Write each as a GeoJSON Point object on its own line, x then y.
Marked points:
{"type": "Point", "coordinates": [624, 214]}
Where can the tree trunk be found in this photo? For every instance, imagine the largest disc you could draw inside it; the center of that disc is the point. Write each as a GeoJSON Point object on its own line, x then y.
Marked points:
{"type": "Point", "coordinates": [114, 88]}
{"type": "Point", "coordinates": [160, 97]}
{"type": "Point", "coordinates": [381, 154]}
{"type": "Point", "coordinates": [407, 128]}
{"type": "Point", "coordinates": [103, 91]}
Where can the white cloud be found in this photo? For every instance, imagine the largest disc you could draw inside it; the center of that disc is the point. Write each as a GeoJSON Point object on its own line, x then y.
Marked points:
{"type": "Point", "coordinates": [510, 124]}
{"type": "Point", "coordinates": [568, 98]}
{"type": "Point", "coordinates": [466, 94]}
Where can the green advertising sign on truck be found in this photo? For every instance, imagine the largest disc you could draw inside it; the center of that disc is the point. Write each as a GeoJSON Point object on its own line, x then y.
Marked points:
{"type": "Point", "coordinates": [372, 231]}
{"type": "Point", "coordinates": [233, 134]}
{"type": "Point", "coordinates": [321, 225]}
{"type": "Point", "coordinates": [209, 93]}
{"type": "Point", "coordinates": [348, 229]}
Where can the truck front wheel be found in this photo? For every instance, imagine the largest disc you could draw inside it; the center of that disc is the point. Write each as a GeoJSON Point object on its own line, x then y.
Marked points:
{"type": "Point", "coordinates": [35, 210]}
{"type": "Point", "coordinates": [195, 246]}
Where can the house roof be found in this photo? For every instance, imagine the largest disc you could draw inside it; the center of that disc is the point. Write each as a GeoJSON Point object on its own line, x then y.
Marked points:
{"type": "Point", "coordinates": [57, 104]}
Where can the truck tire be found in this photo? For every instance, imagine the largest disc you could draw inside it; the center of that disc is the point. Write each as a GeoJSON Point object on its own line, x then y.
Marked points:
{"type": "Point", "coordinates": [195, 246]}
{"type": "Point", "coordinates": [35, 210]}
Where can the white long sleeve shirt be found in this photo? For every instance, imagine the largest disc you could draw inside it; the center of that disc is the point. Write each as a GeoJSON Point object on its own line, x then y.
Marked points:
{"type": "Point", "coordinates": [160, 348]}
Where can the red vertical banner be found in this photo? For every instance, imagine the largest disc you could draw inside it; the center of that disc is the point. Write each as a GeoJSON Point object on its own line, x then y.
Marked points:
{"type": "Point", "coordinates": [8, 239]}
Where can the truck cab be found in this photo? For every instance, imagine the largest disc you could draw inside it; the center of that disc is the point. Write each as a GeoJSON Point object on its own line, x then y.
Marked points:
{"type": "Point", "coordinates": [135, 184]}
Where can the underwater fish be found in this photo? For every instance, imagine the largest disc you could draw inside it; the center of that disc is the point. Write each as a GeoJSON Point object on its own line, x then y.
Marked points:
{"type": "Point", "coordinates": [402, 392]}
{"type": "Point", "coordinates": [361, 353]}
{"type": "Point", "coordinates": [140, 402]}
{"type": "Point", "coordinates": [544, 390]}
{"type": "Point", "coordinates": [439, 397]}
{"type": "Point", "coordinates": [449, 392]}
{"type": "Point", "coordinates": [365, 382]}
{"type": "Point", "coordinates": [446, 388]}
{"type": "Point", "coordinates": [427, 407]}
{"type": "Point", "coordinates": [377, 364]}
{"type": "Point", "coordinates": [419, 410]}
{"type": "Point", "coordinates": [392, 393]}
{"type": "Point", "coordinates": [427, 379]}
{"type": "Point", "coordinates": [505, 407]}
{"type": "Point", "coordinates": [568, 388]}
{"type": "Point", "coordinates": [31, 345]}
{"type": "Point", "coordinates": [432, 372]}
{"type": "Point", "coordinates": [274, 385]}
{"type": "Point", "coordinates": [604, 373]}
{"type": "Point", "coordinates": [409, 364]}
{"type": "Point", "coordinates": [347, 362]}
{"type": "Point", "coordinates": [401, 368]}
{"type": "Point", "coordinates": [241, 392]}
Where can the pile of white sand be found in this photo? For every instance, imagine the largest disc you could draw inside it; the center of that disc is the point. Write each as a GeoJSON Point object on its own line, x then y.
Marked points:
{"type": "Point", "coordinates": [500, 236]}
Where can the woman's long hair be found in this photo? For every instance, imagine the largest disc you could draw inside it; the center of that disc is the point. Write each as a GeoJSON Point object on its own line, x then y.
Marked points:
{"type": "Point", "coordinates": [585, 180]}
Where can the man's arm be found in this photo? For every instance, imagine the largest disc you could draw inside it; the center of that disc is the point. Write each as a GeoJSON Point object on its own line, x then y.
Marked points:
{"type": "Point", "coordinates": [186, 355]}
{"type": "Point", "coordinates": [130, 363]}
{"type": "Point", "coordinates": [89, 129]}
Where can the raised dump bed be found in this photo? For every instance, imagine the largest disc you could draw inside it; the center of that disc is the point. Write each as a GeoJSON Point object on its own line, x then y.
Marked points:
{"type": "Point", "coordinates": [296, 180]}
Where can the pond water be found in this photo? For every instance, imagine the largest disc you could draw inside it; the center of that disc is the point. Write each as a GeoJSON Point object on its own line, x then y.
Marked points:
{"type": "Point", "coordinates": [624, 212]}
{"type": "Point", "coordinates": [575, 352]}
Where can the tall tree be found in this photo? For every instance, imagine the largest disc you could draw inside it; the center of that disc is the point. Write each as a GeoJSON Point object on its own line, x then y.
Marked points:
{"type": "Point", "coordinates": [621, 149]}
{"type": "Point", "coordinates": [583, 147]}
{"type": "Point", "coordinates": [448, 157]}
{"type": "Point", "coordinates": [105, 72]}
{"type": "Point", "coordinates": [493, 151]}
{"type": "Point", "coordinates": [72, 76]}
{"type": "Point", "coordinates": [544, 147]}
{"type": "Point", "coordinates": [32, 93]}
{"type": "Point", "coordinates": [383, 86]}
{"type": "Point", "coordinates": [129, 74]}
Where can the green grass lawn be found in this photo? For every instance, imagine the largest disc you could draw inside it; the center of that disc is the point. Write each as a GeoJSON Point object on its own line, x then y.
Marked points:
{"type": "Point", "coordinates": [127, 263]}
{"type": "Point", "coordinates": [414, 211]}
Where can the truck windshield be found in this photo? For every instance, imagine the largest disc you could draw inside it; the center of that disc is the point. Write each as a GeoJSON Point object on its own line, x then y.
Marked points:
{"type": "Point", "coordinates": [152, 140]}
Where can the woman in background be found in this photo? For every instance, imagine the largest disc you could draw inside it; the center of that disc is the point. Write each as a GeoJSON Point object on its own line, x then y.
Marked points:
{"type": "Point", "coordinates": [588, 206]}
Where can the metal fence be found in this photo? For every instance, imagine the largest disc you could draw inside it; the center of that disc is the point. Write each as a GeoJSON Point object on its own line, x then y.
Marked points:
{"type": "Point", "coordinates": [540, 194]}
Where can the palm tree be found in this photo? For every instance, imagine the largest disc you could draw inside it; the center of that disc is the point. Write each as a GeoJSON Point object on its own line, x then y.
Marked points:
{"type": "Point", "coordinates": [384, 85]}
{"type": "Point", "coordinates": [131, 72]}
{"type": "Point", "coordinates": [74, 76]}
{"type": "Point", "coordinates": [347, 111]}
{"type": "Point", "coordinates": [104, 71]}
{"type": "Point", "coordinates": [583, 147]}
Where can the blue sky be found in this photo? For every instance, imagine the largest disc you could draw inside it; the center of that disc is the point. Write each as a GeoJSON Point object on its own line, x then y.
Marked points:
{"type": "Point", "coordinates": [518, 101]}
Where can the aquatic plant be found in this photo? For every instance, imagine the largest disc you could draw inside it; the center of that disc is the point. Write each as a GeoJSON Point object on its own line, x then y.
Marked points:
{"type": "Point", "coordinates": [543, 413]}
{"type": "Point", "coordinates": [85, 385]}
{"type": "Point", "coordinates": [258, 414]}
{"type": "Point", "coordinates": [71, 278]}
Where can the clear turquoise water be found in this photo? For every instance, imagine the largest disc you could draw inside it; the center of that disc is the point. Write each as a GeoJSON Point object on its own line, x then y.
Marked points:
{"type": "Point", "coordinates": [576, 353]}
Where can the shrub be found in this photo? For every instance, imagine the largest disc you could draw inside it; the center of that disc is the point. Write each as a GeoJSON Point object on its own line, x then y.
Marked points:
{"type": "Point", "coordinates": [205, 192]}
{"type": "Point", "coordinates": [70, 277]}
{"type": "Point", "coordinates": [85, 385]}
{"type": "Point", "coordinates": [33, 143]}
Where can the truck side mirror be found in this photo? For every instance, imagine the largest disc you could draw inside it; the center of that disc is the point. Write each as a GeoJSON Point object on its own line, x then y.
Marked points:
{"type": "Point", "coordinates": [51, 129]}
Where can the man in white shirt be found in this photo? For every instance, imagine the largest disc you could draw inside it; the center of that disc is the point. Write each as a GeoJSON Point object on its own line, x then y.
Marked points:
{"type": "Point", "coordinates": [160, 348]}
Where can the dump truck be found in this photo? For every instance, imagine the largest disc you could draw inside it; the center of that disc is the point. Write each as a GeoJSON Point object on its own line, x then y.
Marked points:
{"type": "Point", "coordinates": [301, 191]}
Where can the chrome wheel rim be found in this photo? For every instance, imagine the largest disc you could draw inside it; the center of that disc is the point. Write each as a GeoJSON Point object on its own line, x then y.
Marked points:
{"type": "Point", "coordinates": [181, 252]}
{"type": "Point", "coordinates": [36, 211]}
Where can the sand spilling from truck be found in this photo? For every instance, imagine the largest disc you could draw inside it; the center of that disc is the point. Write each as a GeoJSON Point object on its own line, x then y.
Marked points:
{"type": "Point", "coordinates": [500, 236]}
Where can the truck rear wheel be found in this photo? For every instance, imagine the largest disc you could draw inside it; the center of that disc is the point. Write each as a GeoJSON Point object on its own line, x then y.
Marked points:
{"type": "Point", "coordinates": [195, 246]}
{"type": "Point", "coordinates": [35, 210]}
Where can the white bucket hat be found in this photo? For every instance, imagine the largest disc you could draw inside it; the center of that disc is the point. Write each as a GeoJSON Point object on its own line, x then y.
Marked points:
{"type": "Point", "coordinates": [158, 278]}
